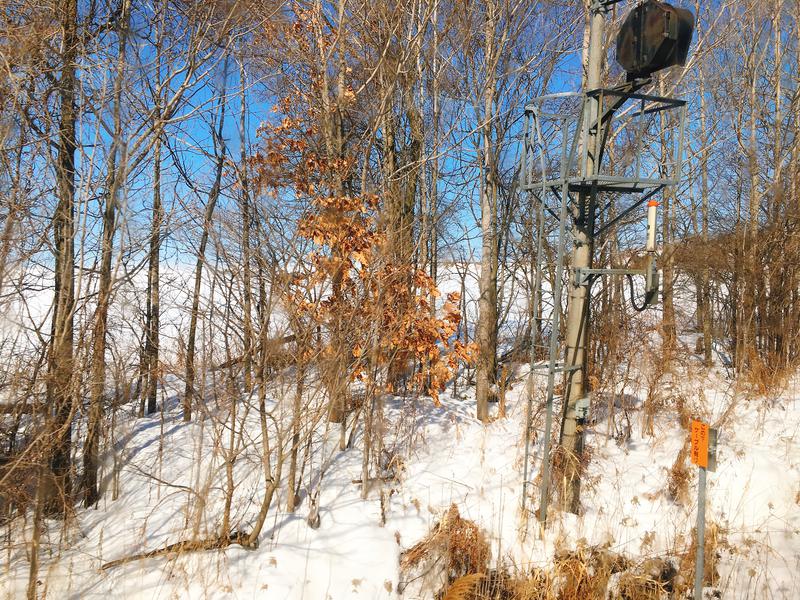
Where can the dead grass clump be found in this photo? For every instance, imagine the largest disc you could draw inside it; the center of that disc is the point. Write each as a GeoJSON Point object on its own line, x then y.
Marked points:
{"type": "Point", "coordinates": [586, 573]}
{"type": "Point", "coordinates": [679, 476]}
{"type": "Point", "coordinates": [457, 551]}
{"type": "Point", "coordinates": [596, 573]}
{"type": "Point", "coordinates": [684, 413]}
{"type": "Point", "coordinates": [654, 579]}
{"type": "Point", "coordinates": [498, 584]}
{"type": "Point", "coordinates": [583, 574]}
{"type": "Point", "coordinates": [658, 374]}
{"type": "Point", "coordinates": [715, 541]}
{"type": "Point", "coordinates": [464, 587]}
{"type": "Point", "coordinates": [537, 585]}
{"type": "Point", "coordinates": [564, 462]}
{"type": "Point", "coordinates": [453, 549]}
{"type": "Point", "coordinates": [768, 377]}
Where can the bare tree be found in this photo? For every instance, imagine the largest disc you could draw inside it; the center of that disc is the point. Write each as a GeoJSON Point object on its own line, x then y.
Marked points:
{"type": "Point", "coordinates": [60, 393]}
{"type": "Point", "coordinates": [220, 153]}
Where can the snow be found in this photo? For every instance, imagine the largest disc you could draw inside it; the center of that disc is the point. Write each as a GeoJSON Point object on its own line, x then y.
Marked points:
{"type": "Point", "coordinates": [452, 458]}
{"type": "Point", "coordinates": [449, 458]}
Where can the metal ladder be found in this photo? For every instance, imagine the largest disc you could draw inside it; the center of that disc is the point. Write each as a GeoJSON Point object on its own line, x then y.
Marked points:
{"type": "Point", "coordinates": [554, 364]}
{"type": "Point", "coordinates": [557, 176]}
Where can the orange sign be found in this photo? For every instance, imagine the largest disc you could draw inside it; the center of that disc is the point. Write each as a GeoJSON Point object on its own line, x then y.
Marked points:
{"type": "Point", "coordinates": [700, 444]}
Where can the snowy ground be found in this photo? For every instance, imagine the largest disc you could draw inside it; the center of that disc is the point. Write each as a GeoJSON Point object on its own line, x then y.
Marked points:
{"type": "Point", "coordinates": [449, 458]}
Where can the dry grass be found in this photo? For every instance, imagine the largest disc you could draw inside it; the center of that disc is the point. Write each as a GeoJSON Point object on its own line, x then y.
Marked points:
{"type": "Point", "coordinates": [680, 476]}
{"type": "Point", "coordinates": [585, 573]}
{"type": "Point", "coordinates": [653, 580]}
{"type": "Point", "coordinates": [458, 539]}
{"type": "Point", "coordinates": [463, 587]}
{"type": "Point", "coordinates": [453, 549]}
{"type": "Point", "coordinates": [564, 462]}
{"type": "Point", "coordinates": [715, 540]}
{"type": "Point", "coordinates": [767, 377]}
{"type": "Point", "coordinates": [499, 585]}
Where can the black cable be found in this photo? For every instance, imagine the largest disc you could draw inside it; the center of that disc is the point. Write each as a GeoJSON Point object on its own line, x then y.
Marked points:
{"type": "Point", "coordinates": [647, 297]}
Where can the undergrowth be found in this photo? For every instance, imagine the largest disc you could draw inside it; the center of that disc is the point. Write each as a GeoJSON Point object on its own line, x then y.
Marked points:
{"type": "Point", "coordinates": [453, 563]}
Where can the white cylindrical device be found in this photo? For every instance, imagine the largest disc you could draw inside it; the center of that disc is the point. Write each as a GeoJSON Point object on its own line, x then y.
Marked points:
{"type": "Point", "coordinates": [651, 225]}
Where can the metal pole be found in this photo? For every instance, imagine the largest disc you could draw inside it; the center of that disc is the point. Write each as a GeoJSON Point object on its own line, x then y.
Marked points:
{"type": "Point", "coordinates": [701, 535]}
{"type": "Point", "coordinates": [554, 326]}
{"type": "Point", "coordinates": [578, 308]}
{"type": "Point", "coordinates": [535, 334]}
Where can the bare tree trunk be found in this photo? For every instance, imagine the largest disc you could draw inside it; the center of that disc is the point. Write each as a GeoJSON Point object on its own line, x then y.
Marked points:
{"type": "Point", "coordinates": [213, 196]}
{"type": "Point", "coordinates": [153, 287]}
{"type": "Point", "coordinates": [774, 289]}
{"type": "Point", "coordinates": [301, 338]}
{"type": "Point", "coordinates": [60, 364]}
{"type": "Point", "coordinates": [433, 240]}
{"type": "Point", "coordinates": [231, 395]}
{"type": "Point", "coordinates": [486, 334]}
{"type": "Point", "coordinates": [708, 310]}
{"type": "Point", "coordinates": [150, 358]}
{"type": "Point", "coordinates": [247, 296]}
{"type": "Point", "coordinates": [748, 325]}
{"type": "Point", "coordinates": [36, 537]}
{"type": "Point", "coordinates": [793, 209]}
{"type": "Point", "coordinates": [272, 480]}
{"type": "Point", "coordinates": [114, 179]}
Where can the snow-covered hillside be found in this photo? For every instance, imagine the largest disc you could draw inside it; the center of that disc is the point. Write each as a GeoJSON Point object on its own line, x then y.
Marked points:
{"type": "Point", "coordinates": [444, 457]}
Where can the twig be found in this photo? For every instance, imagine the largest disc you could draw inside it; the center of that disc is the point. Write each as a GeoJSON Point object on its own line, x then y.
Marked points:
{"type": "Point", "coordinates": [217, 543]}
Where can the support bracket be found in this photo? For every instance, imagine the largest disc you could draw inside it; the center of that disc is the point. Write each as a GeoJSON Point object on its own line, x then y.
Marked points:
{"type": "Point", "coordinates": [584, 276]}
{"type": "Point", "coordinates": [629, 210]}
{"type": "Point", "coordinates": [596, 4]}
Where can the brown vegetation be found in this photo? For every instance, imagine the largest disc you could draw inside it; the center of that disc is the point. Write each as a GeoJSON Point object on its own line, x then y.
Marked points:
{"type": "Point", "coordinates": [253, 203]}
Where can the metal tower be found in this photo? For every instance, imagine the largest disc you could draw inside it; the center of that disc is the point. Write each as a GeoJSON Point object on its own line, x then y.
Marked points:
{"type": "Point", "coordinates": [579, 149]}
{"type": "Point", "coordinates": [567, 195]}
